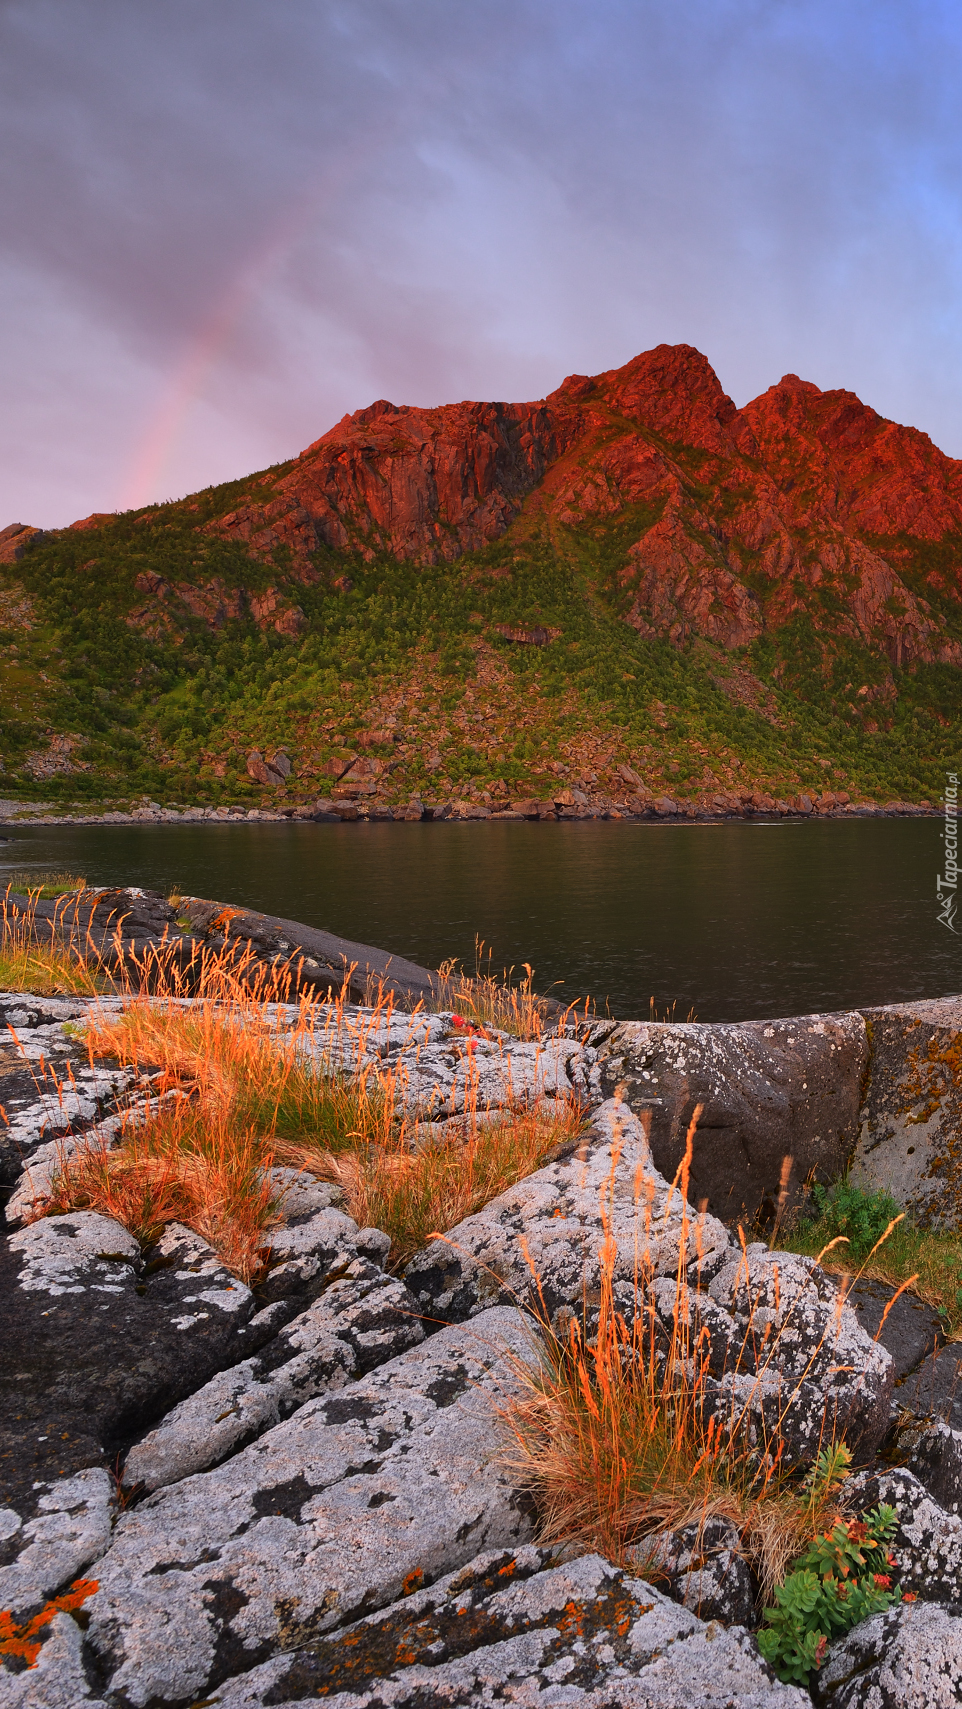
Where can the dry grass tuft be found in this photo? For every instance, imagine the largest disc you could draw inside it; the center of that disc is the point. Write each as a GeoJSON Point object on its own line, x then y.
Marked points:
{"type": "Point", "coordinates": [415, 1194]}
{"type": "Point", "coordinates": [55, 969]}
{"type": "Point", "coordinates": [612, 1436]}
{"type": "Point", "coordinates": [247, 1066]}
{"type": "Point", "coordinates": [199, 1173]}
{"type": "Point", "coordinates": [230, 1082]}
{"type": "Point", "coordinates": [237, 1086]}
{"type": "Point", "coordinates": [486, 1001]}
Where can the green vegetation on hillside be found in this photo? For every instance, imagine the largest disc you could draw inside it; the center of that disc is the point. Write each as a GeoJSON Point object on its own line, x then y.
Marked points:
{"type": "Point", "coordinates": [137, 695]}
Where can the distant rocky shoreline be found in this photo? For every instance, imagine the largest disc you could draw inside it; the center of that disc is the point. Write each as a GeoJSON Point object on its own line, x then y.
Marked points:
{"type": "Point", "coordinates": [570, 805]}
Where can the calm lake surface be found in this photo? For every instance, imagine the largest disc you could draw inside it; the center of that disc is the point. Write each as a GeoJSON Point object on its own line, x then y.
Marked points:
{"type": "Point", "coordinates": [734, 921]}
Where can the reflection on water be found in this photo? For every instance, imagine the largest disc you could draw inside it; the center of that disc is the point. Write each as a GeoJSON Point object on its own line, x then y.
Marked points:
{"type": "Point", "coordinates": [734, 921]}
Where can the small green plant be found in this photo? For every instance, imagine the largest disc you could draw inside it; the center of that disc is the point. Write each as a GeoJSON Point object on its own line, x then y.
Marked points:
{"type": "Point", "coordinates": [843, 1576]}
{"type": "Point", "coordinates": [929, 1261]}
{"type": "Point", "coordinates": [831, 1468]}
{"type": "Point", "coordinates": [859, 1217]}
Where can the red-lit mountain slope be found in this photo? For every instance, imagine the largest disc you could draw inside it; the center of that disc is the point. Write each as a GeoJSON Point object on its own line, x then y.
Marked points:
{"type": "Point", "coordinates": [803, 500]}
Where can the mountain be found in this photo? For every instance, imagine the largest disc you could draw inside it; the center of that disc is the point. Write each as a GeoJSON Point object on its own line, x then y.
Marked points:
{"type": "Point", "coordinates": [491, 597]}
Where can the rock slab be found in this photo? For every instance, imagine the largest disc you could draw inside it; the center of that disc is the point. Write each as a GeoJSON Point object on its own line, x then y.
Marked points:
{"type": "Point", "coordinates": [514, 1628]}
{"type": "Point", "coordinates": [907, 1658]}
{"type": "Point", "coordinates": [768, 1090]}
{"type": "Point", "coordinates": [908, 1140]}
{"type": "Point", "coordinates": [786, 1357]}
{"type": "Point", "coordinates": [362, 1495]}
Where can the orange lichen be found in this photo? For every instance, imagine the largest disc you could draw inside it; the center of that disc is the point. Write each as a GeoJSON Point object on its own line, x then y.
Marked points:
{"type": "Point", "coordinates": [24, 1640]}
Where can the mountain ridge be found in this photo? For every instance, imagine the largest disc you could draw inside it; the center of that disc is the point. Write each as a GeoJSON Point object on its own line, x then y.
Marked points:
{"type": "Point", "coordinates": [400, 479]}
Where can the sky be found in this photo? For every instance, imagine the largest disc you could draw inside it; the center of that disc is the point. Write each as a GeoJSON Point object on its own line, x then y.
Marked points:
{"type": "Point", "coordinates": [226, 223]}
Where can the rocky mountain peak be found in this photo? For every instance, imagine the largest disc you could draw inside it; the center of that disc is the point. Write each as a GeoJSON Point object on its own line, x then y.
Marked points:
{"type": "Point", "coordinates": [801, 501]}
{"type": "Point", "coordinates": [674, 391]}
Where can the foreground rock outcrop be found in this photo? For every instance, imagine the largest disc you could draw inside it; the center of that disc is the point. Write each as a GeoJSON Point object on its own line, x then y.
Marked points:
{"type": "Point", "coordinates": [909, 1658]}
{"type": "Point", "coordinates": [374, 1486]}
{"type": "Point", "coordinates": [360, 1495]}
{"type": "Point", "coordinates": [540, 1245]}
{"type": "Point", "coordinates": [877, 1091]}
{"type": "Point", "coordinates": [265, 1494]}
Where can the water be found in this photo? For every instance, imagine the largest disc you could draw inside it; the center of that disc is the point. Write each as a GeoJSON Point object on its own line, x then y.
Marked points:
{"type": "Point", "coordinates": [734, 921]}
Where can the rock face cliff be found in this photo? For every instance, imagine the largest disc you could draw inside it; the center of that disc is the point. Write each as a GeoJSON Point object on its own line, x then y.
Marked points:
{"type": "Point", "coordinates": [427, 484]}
{"type": "Point", "coordinates": [803, 500]}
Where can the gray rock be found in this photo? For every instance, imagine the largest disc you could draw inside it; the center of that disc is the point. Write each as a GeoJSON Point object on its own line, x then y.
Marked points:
{"type": "Point", "coordinates": [907, 1141]}
{"type": "Point", "coordinates": [35, 1186]}
{"type": "Point", "coordinates": [446, 1128]}
{"type": "Point", "coordinates": [74, 1254]}
{"type": "Point", "coordinates": [935, 1389]}
{"type": "Point", "coordinates": [907, 1658]}
{"type": "Point", "coordinates": [539, 1243]}
{"type": "Point", "coordinates": [911, 1330]}
{"type": "Point", "coordinates": [41, 1109]}
{"type": "Point", "coordinates": [504, 1631]}
{"type": "Point", "coordinates": [372, 1313]}
{"type": "Point", "coordinates": [373, 1244]}
{"type": "Point", "coordinates": [350, 1471]}
{"type": "Point", "coordinates": [928, 1542]}
{"type": "Point", "coordinates": [301, 1196]}
{"type": "Point", "coordinates": [190, 1260]}
{"type": "Point", "coordinates": [304, 1252]}
{"type": "Point", "coordinates": [70, 1528]}
{"type": "Point", "coordinates": [328, 959]}
{"type": "Point", "coordinates": [704, 1569]}
{"type": "Point", "coordinates": [792, 1357]}
{"type": "Point", "coordinates": [363, 1494]}
{"type": "Point", "coordinates": [95, 1345]}
{"type": "Point", "coordinates": [229, 1411]}
{"type": "Point", "coordinates": [57, 1680]}
{"type": "Point", "coordinates": [438, 1072]}
{"type": "Point", "coordinates": [770, 1089]}
{"type": "Point", "coordinates": [785, 1357]}
{"type": "Point", "coordinates": [359, 1322]}
{"type": "Point", "coordinates": [48, 1086]}
{"type": "Point", "coordinates": [24, 1013]}
{"type": "Point", "coordinates": [933, 1453]}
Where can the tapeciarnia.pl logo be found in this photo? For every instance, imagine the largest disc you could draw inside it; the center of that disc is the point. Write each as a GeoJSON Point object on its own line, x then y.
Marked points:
{"type": "Point", "coordinates": [946, 884]}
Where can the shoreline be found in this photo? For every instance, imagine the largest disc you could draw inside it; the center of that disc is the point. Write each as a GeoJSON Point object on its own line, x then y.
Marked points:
{"type": "Point", "coordinates": [662, 810]}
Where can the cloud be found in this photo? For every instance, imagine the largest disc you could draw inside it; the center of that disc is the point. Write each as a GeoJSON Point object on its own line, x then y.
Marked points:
{"type": "Point", "coordinates": [226, 224]}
